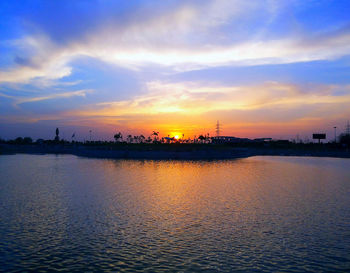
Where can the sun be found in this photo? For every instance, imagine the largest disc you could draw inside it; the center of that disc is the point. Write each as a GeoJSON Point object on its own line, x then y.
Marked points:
{"type": "Point", "coordinates": [176, 135]}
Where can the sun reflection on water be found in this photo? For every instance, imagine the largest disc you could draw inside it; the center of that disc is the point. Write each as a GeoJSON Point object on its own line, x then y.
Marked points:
{"type": "Point", "coordinates": [262, 213]}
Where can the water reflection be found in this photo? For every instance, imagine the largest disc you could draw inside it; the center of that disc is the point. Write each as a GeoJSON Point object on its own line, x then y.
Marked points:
{"type": "Point", "coordinates": [261, 213]}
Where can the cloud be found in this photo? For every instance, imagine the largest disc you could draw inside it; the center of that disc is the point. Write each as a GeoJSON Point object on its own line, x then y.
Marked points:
{"type": "Point", "coordinates": [20, 100]}
{"type": "Point", "coordinates": [188, 37]}
{"type": "Point", "coordinates": [193, 108]}
{"type": "Point", "coordinates": [196, 99]}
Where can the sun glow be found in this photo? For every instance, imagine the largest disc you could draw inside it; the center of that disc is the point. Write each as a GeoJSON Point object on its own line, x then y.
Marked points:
{"type": "Point", "coordinates": [176, 135]}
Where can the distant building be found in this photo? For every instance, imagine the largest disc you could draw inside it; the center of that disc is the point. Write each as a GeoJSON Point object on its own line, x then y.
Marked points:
{"type": "Point", "coordinates": [228, 139]}
{"type": "Point", "coordinates": [262, 139]}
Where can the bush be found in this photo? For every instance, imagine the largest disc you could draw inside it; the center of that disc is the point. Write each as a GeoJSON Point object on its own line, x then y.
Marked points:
{"type": "Point", "coordinates": [27, 140]}
{"type": "Point", "coordinates": [18, 140]}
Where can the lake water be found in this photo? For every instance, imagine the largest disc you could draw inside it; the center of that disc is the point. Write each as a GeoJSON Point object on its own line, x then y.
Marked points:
{"type": "Point", "coordinates": [260, 214]}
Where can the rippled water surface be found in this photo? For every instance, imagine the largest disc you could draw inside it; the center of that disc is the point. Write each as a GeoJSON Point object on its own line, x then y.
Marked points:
{"type": "Point", "coordinates": [256, 214]}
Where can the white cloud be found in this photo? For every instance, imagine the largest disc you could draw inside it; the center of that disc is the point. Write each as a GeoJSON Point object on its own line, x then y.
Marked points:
{"type": "Point", "coordinates": [183, 39]}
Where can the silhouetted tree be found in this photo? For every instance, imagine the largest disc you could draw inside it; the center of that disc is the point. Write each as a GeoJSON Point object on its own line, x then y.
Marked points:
{"type": "Point", "coordinates": [142, 138]}
{"type": "Point", "coordinates": [40, 141]}
{"type": "Point", "coordinates": [155, 134]}
{"type": "Point", "coordinates": [129, 138]}
{"type": "Point", "coordinates": [201, 138]}
{"type": "Point", "coordinates": [118, 137]}
{"type": "Point", "coordinates": [19, 140]}
{"type": "Point", "coordinates": [27, 140]}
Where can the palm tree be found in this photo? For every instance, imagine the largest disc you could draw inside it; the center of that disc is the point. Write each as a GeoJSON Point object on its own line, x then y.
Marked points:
{"type": "Point", "coordinates": [136, 138]}
{"type": "Point", "coordinates": [142, 138]}
{"type": "Point", "coordinates": [129, 139]}
{"type": "Point", "coordinates": [155, 134]}
{"type": "Point", "coordinates": [201, 138]}
{"type": "Point", "coordinates": [118, 136]}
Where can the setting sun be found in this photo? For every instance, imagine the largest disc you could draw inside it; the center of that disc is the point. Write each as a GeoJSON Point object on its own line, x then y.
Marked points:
{"type": "Point", "coordinates": [176, 135]}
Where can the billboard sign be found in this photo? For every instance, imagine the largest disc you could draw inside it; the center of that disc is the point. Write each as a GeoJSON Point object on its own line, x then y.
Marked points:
{"type": "Point", "coordinates": [319, 136]}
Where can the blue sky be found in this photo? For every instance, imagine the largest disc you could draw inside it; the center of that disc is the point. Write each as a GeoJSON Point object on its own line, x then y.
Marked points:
{"type": "Point", "coordinates": [263, 68]}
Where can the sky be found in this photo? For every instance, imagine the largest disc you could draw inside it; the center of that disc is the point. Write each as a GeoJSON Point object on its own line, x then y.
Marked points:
{"type": "Point", "coordinates": [263, 68]}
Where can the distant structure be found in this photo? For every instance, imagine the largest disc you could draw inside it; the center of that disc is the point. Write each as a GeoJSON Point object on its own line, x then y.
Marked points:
{"type": "Point", "coordinates": [347, 129]}
{"type": "Point", "coordinates": [57, 138]}
{"type": "Point", "coordinates": [319, 137]}
{"type": "Point", "coordinates": [263, 139]}
{"type": "Point", "coordinates": [229, 139]}
{"type": "Point", "coordinates": [219, 139]}
{"type": "Point", "coordinates": [217, 129]}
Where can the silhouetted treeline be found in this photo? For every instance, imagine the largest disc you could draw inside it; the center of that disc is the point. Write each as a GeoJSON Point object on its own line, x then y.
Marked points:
{"type": "Point", "coordinates": [143, 143]}
{"type": "Point", "coordinates": [175, 150]}
{"type": "Point", "coordinates": [19, 140]}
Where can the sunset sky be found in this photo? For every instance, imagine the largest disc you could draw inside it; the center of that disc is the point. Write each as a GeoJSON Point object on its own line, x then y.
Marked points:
{"type": "Point", "coordinates": [264, 68]}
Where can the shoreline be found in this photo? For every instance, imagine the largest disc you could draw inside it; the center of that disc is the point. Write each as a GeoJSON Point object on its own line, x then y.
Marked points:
{"type": "Point", "coordinates": [142, 153]}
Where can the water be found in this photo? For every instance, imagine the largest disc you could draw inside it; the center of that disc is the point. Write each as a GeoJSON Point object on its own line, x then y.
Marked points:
{"type": "Point", "coordinates": [257, 214]}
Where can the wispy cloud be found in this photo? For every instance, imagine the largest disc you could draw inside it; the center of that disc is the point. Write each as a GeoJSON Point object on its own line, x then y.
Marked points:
{"type": "Point", "coordinates": [194, 107]}
{"type": "Point", "coordinates": [196, 99]}
{"type": "Point", "coordinates": [20, 100]}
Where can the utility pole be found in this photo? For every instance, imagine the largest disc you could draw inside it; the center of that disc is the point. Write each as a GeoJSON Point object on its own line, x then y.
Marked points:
{"type": "Point", "coordinates": [335, 134]}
